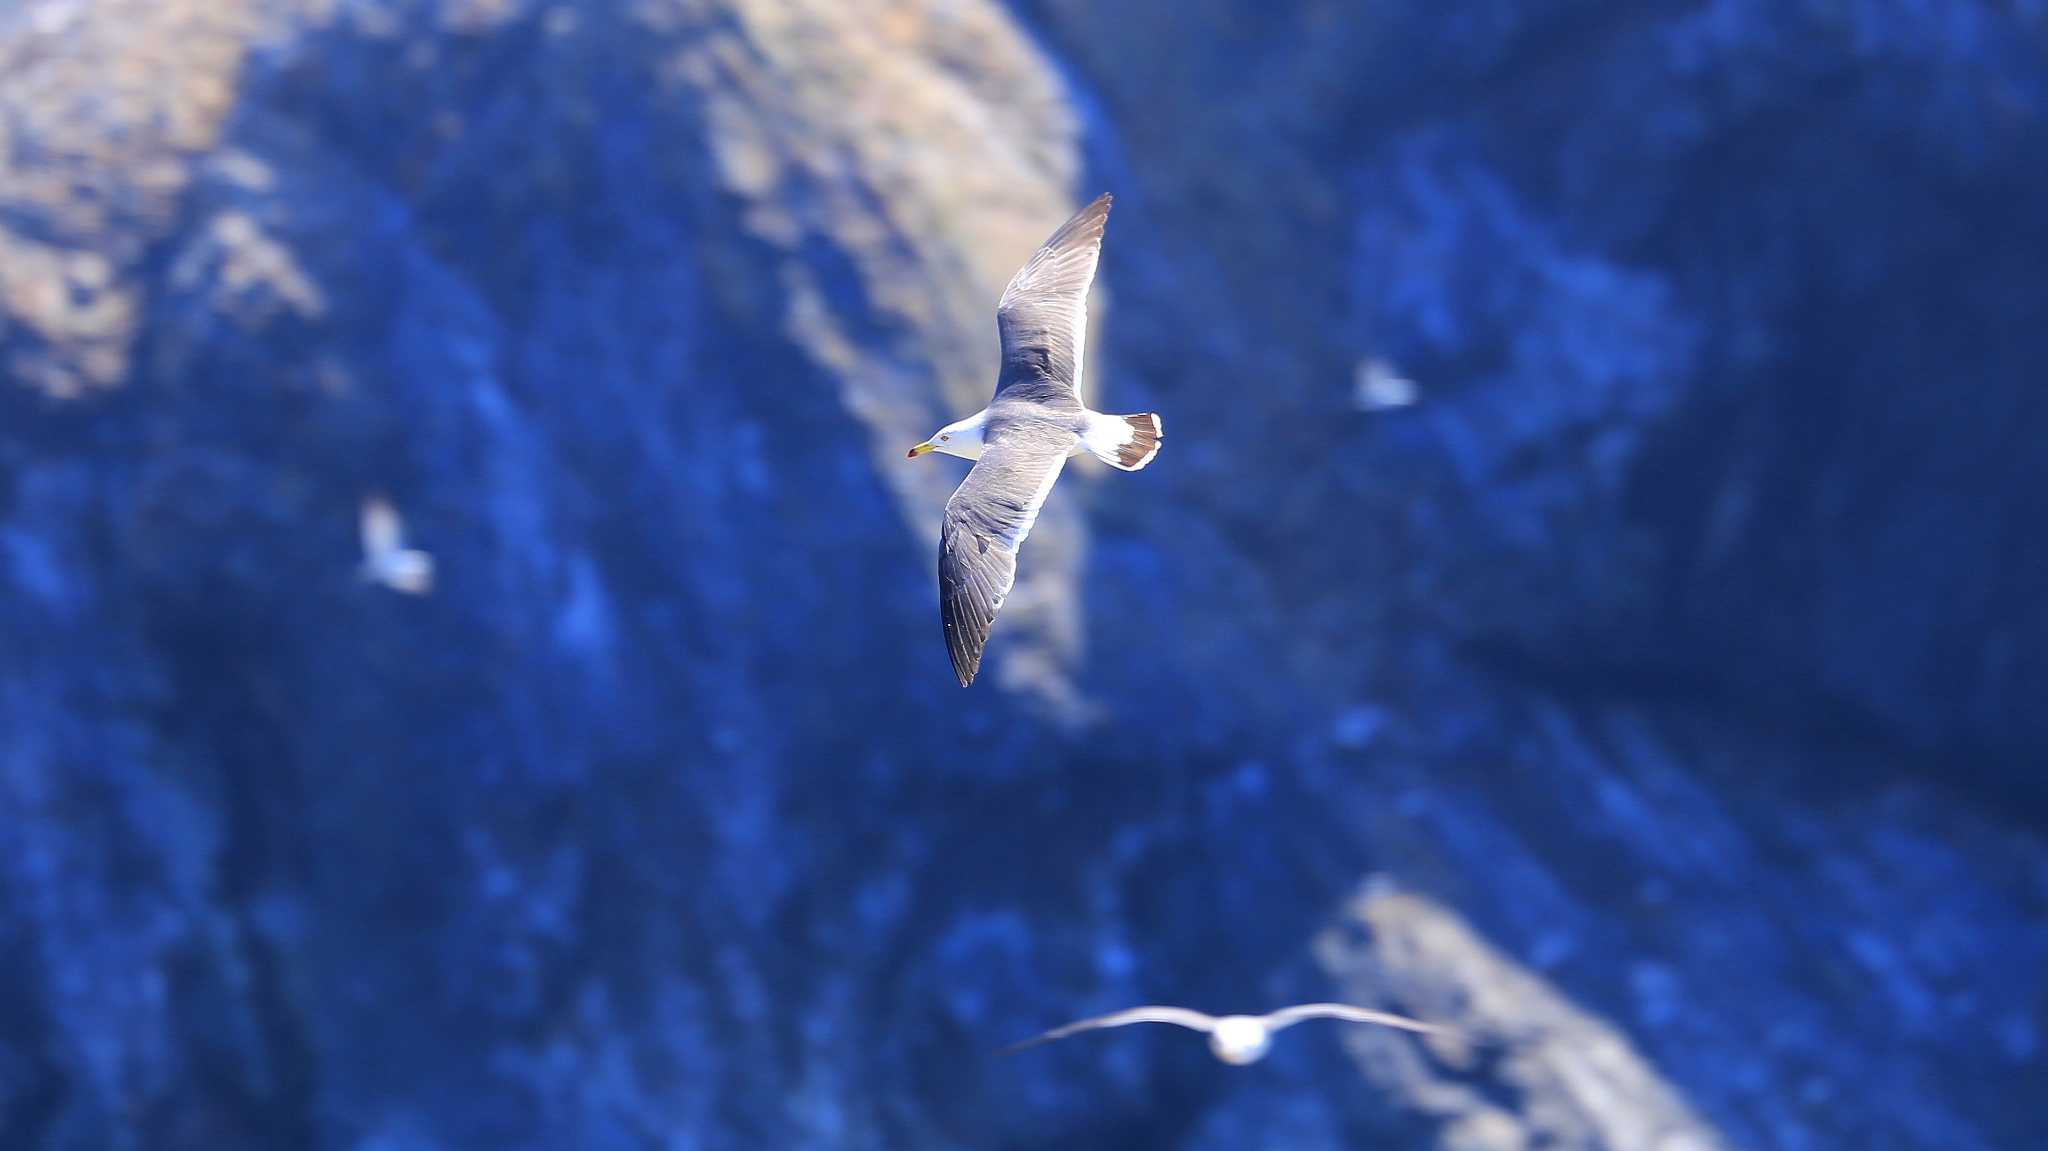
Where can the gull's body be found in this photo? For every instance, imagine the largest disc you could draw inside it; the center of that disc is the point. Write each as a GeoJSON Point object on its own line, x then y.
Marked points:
{"type": "Point", "coordinates": [1235, 1039]}
{"type": "Point", "coordinates": [386, 559]}
{"type": "Point", "coordinates": [1022, 439]}
{"type": "Point", "coordinates": [1377, 387]}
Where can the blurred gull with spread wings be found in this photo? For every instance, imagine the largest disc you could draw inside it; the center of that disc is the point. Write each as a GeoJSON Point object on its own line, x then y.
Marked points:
{"type": "Point", "coordinates": [1236, 1039]}
{"type": "Point", "coordinates": [1377, 387]}
{"type": "Point", "coordinates": [386, 559]}
{"type": "Point", "coordinates": [1023, 438]}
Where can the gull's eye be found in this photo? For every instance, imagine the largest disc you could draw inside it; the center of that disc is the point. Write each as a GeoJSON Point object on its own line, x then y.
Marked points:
{"type": "Point", "coordinates": [945, 439]}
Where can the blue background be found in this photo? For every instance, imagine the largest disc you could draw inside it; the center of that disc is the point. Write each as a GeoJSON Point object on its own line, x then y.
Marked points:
{"type": "Point", "coordinates": [1658, 699]}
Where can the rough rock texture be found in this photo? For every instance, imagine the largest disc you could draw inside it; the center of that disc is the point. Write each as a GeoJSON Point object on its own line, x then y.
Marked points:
{"type": "Point", "coordinates": [1658, 699]}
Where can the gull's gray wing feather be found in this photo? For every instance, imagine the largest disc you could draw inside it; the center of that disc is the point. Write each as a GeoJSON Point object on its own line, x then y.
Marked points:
{"type": "Point", "coordinates": [1289, 1016]}
{"type": "Point", "coordinates": [1043, 316]}
{"type": "Point", "coordinates": [1179, 1016]}
{"type": "Point", "coordinates": [382, 531]}
{"type": "Point", "coordinates": [986, 522]}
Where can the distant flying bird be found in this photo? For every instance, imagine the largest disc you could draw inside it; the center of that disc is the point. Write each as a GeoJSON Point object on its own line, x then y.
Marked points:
{"type": "Point", "coordinates": [1023, 437]}
{"type": "Point", "coordinates": [1235, 1039]}
{"type": "Point", "coordinates": [386, 559]}
{"type": "Point", "coordinates": [1377, 387]}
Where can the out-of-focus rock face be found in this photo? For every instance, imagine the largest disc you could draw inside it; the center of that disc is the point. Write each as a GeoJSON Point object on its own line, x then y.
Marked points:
{"type": "Point", "coordinates": [1725, 310]}
{"type": "Point", "coordinates": [1665, 676]}
{"type": "Point", "coordinates": [107, 107]}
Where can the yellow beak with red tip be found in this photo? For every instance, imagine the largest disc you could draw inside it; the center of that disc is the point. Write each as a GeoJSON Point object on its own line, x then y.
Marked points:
{"type": "Point", "coordinates": [922, 449]}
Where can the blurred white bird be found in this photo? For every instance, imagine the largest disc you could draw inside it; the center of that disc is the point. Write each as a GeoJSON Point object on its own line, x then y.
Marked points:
{"type": "Point", "coordinates": [386, 559]}
{"type": "Point", "coordinates": [1377, 387]}
{"type": "Point", "coordinates": [1235, 1039]}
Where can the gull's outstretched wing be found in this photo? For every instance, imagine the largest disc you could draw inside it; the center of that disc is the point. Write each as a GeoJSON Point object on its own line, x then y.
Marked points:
{"type": "Point", "coordinates": [1289, 1016]}
{"type": "Point", "coordinates": [382, 531]}
{"type": "Point", "coordinates": [407, 570]}
{"type": "Point", "coordinates": [1179, 1016]}
{"type": "Point", "coordinates": [986, 522]}
{"type": "Point", "coordinates": [1043, 316]}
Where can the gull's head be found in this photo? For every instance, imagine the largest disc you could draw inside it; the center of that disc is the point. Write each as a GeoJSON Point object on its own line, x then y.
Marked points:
{"type": "Point", "coordinates": [1240, 1039]}
{"type": "Point", "coordinates": [961, 438]}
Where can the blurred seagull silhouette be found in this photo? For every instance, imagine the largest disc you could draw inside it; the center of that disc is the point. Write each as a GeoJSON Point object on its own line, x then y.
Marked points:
{"type": "Point", "coordinates": [386, 559]}
{"type": "Point", "coordinates": [1377, 387]}
{"type": "Point", "coordinates": [1022, 439]}
{"type": "Point", "coordinates": [1235, 1039]}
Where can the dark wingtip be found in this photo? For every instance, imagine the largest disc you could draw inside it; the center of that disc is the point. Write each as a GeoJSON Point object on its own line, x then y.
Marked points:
{"type": "Point", "coordinates": [1092, 216]}
{"type": "Point", "coordinates": [966, 664]}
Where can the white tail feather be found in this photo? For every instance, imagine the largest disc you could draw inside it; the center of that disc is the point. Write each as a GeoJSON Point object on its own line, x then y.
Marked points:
{"type": "Point", "coordinates": [1127, 442]}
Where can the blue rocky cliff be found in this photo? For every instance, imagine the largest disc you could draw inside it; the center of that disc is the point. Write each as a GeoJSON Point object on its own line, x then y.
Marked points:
{"type": "Point", "coordinates": [1659, 699]}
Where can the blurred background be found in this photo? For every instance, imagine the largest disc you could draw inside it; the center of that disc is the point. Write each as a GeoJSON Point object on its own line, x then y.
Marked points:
{"type": "Point", "coordinates": [1659, 696]}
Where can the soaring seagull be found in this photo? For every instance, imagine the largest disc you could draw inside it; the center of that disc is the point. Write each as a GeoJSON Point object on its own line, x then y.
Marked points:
{"type": "Point", "coordinates": [1022, 439]}
{"type": "Point", "coordinates": [1377, 387]}
{"type": "Point", "coordinates": [1235, 1039]}
{"type": "Point", "coordinates": [386, 559]}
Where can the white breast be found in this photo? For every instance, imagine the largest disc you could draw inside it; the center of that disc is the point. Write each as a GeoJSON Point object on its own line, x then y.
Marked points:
{"type": "Point", "coordinates": [1240, 1039]}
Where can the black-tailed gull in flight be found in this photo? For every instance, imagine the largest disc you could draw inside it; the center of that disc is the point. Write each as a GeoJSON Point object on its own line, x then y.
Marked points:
{"type": "Point", "coordinates": [386, 559]}
{"type": "Point", "coordinates": [1235, 1039]}
{"type": "Point", "coordinates": [1022, 439]}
